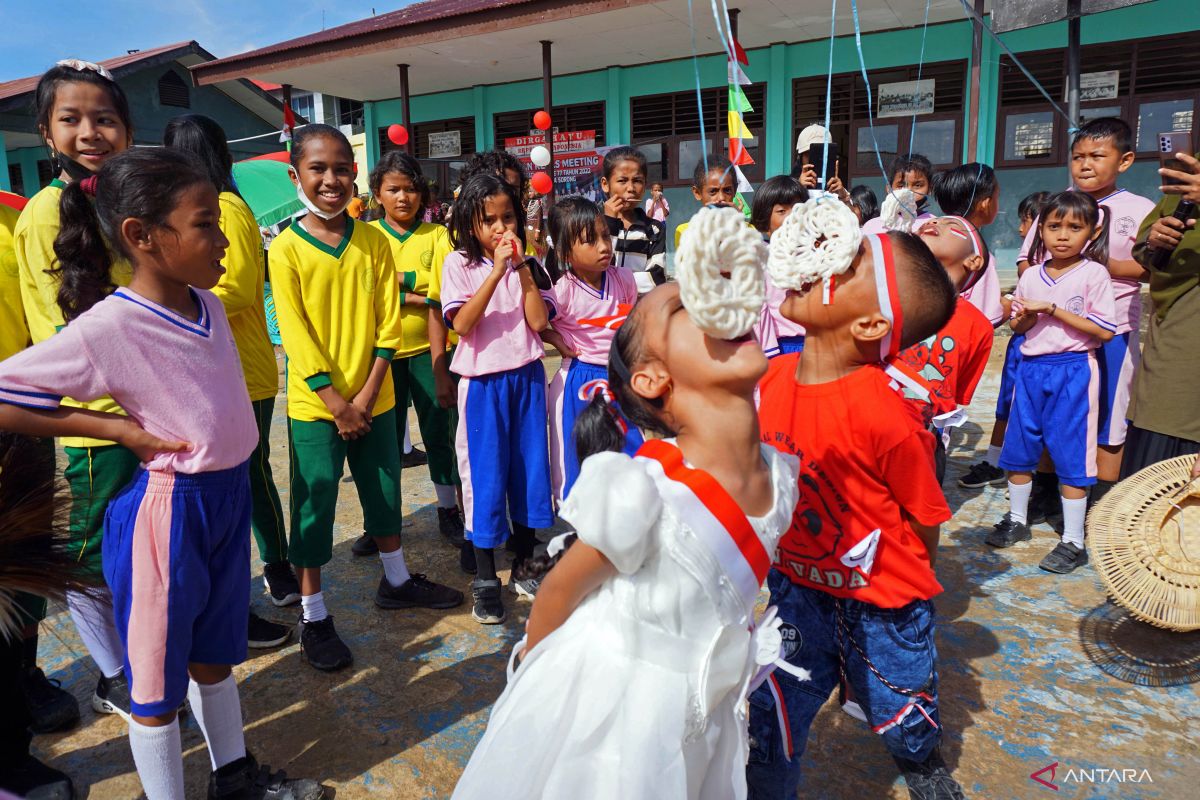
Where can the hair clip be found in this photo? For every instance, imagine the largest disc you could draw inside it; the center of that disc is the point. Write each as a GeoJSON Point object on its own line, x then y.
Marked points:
{"type": "Point", "coordinates": [85, 66]}
{"type": "Point", "coordinates": [596, 386]}
{"type": "Point", "coordinates": [88, 185]}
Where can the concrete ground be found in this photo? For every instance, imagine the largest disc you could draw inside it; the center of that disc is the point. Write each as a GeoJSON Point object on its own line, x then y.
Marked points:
{"type": "Point", "coordinates": [1036, 670]}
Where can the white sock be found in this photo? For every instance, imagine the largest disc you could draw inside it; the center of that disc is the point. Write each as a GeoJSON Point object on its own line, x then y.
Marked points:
{"type": "Point", "coordinates": [1074, 515]}
{"type": "Point", "coordinates": [993, 454]}
{"type": "Point", "coordinates": [97, 627]}
{"type": "Point", "coordinates": [1018, 501]}
{"type": "Point", "coordinates": [313, 606]}
{"type": "Point", "coordinates": [394, 568]}
{"type": "Point", "coordinates": [446, 496]}
{"type": "Point", "coordinates": [218, 711]}
{"type": "Point", "coordinates": [158, 756]}
{"type": "Point", "coordinates": [407, 438]}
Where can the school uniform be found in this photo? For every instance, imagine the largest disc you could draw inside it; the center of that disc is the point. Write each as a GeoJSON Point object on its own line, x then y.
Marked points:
{"type": "Point", "coordinates": [1056, 398]}
{"type": "Point", "coordinates": [339, 310]}
{"type": "Point", "coordinates": [502, 446]}
{"type": "Point", "coordinates": [789, 336]}
{"type": "Point", "coordinates": [176, 553]}
{"type": "Point", "coordinates": [415, 252]}
{"type": "Point", "coordinates": [639, 248]}
{"type": "Point", "coordinates": [587, 319]}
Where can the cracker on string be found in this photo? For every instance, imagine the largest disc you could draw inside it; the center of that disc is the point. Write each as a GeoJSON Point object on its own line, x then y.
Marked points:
{"type": "Point", "coordinates": [816, 242]}
{"type": "Point", "coordinates": [719, 266]}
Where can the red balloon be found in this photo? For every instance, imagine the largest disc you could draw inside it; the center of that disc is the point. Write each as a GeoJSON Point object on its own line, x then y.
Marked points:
{"type": "Point", "coordinates": [398, 135]}
{"type": "Point", "coordinates": [541, 183]}
{"type": "Point", "coordinates": [541, 121]}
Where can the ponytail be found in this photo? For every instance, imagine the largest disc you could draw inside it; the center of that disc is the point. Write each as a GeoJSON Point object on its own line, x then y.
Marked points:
{"type": "Point", "coordinates": [1097, 249]}
{"type": "Point", "coordinates": [1084, 208]}
{"type": "Point", "coordinates": [84, 265]}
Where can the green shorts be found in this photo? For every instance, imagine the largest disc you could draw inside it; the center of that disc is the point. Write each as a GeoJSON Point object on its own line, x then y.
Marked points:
{"type": "Point", "coordinates": [267, 512]}
{"type": "Point", "coordinates": [94, 476]}
{"type": "Point", "coordinates": [413, 379]}
{"type": "Point", "coordinates": [317, 456]}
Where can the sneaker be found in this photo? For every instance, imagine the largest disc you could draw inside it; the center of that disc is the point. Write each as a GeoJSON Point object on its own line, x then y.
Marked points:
{"type": "Point", "coordinates": [321, 646]}
{"type": "Point", "coordinates": [112, 696]}
{"type": "Point", "coordinates": [525, 587]}
{"type": "Point", "coordinates": [262, 633]}
{"type": "Point", "coordinates": [983, 474]}
{"type": "Point", "coordinates": [1064, 558]}
{"type": "Point", "coordinates": [489, 607]}
{"type": "Point", "coordinates": [929, 779]}
{"type": "Point", "coordinates": [245, 779]}
{"type": "Point", "coordinates": [51, 708]}
{"type": "Point", "coordinates": [282, 585]}
{"type": "Point", "coordinates": [450, 523]}
{"type": "Point", "coordinates": [1006, 533]}
{"type": "Point", "coordinates": [365, 546]}
{"type": "Point", "coordinates": [414, 458]}
{"type": "Point", "coordinates": [466, 558]}
{"type": "Point", "coordinates": [416, 592]}
{"type": "Point", "coordinates": [33, 780]}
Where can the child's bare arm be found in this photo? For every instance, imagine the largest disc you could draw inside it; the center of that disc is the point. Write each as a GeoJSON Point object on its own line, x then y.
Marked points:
{"type": "Point", "coordinates": [578, 573]}
{"type": "Point", "coordinates": [556, 340]}
{"type": "Point", "coordinates": [443, 384]}
{"type": "Point", "coordinates": [1127, 269]}
{"type": "Point", "coordinates": [84, 422]}
{"type": "Point", "coordinates": [929, 536]}
{"type": "Point", "coordinates": [1081, 324]}
{"type": "Point", "coordinates": [351, 422]}
{"type": "Point", "coordinates": [365, 399]}
{"type": "Point", "coordinates": [1023, 321]}
{"type": "Point", "coordinates": [536, 316]}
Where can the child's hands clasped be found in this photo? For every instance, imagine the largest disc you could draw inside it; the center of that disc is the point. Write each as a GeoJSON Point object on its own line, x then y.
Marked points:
{"type": "Point", "coordinates": [353, 420]}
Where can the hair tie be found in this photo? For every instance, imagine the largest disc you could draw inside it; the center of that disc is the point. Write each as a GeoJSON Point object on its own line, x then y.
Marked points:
{"type": "Point", "coordinates": [85, 66]}
{"type": "Point", "coordinates": [88, 185]}
{"type": "Point", "coordinates": [596, 386]}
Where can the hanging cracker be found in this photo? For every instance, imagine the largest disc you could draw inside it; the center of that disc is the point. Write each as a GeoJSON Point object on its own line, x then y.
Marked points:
{"type": "Point", "coordinates": [716, 244]}
{"type": "Point", "coordinates": [816, 242]}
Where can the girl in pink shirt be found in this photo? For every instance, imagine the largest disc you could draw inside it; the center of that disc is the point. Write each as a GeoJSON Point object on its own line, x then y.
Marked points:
{"type": "Point", "coordinates": [176, 544]}
{"type": "Point", "coordinates": [490, 298]}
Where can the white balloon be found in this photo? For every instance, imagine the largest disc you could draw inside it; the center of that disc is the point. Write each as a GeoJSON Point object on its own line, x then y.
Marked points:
{"type": "Point", "coordinates": [540, 156]}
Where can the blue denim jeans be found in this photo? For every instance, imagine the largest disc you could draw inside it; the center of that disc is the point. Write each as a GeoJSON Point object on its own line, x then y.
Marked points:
{"type": "Point", "coordinates": [898, 642]}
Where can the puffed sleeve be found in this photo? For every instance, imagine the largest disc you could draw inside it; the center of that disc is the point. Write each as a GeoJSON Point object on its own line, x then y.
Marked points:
{"type": "Point", "coordinates": [614, 506]}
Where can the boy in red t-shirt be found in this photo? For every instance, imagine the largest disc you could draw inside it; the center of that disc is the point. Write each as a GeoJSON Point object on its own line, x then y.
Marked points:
{"type": "Point", "coordinates": [854, 575]}
{"type": "Point", "coordinates": [951, 361]}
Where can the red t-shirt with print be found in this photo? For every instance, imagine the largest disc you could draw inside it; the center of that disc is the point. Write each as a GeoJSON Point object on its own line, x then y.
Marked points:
{"type": "Point", "coordinates": [951, 361]}
{"type": "Point", "coordinates": [866, 465]}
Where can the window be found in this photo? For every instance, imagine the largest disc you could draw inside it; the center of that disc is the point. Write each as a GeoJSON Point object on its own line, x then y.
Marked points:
{"type": "Point", "coordinates": [304, 105]}
{"type": "Point", "coordinates": [173, 91]}
{"type": "Point", "coordinates": [666, 128]}
{"type": "Point", "coordinates": [419, 132]}
{"type": "Point", "coordinates": [349, 112]}
{"type": "Point", "coordinates": [578, 117]}
{"type": "Point", "coordinates": [15, 179]}
{"type": "Point", "coordinates": [45, 173]}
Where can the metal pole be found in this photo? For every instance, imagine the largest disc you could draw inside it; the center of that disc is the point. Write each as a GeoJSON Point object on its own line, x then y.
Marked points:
{"type": "Point", "coordinates": [548, 104]}
{"type": "Point", "coordinates": [974, 109]}
{"type": "Point", "coordinates": [1073, 18]}
{"type": "Point", "coordinates": [405, 111]}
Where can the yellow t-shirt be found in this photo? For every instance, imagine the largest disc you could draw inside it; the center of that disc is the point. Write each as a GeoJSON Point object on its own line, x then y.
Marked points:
{"type": "Point", "coordinates": [241, 292]}
{"type": "Point", "coordinates": [14, 333]}
{"type": "Point", "coordinates": [415, 252]}
{"type": "Point", "coordinates": [434, 296]}
{"type": "Point", "coordinates": [338, 309]}
{"type": "Point", "coordinates": [33, 240]}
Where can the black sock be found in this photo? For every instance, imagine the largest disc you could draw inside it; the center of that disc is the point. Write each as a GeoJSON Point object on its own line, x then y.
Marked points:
{"type": "Point", "coordinates": [485, 562]}
{"type": "Point", "coordinates": [1046, 481]}
{"type": "Point", "coordinates": [29, 648]}
{"type": "Point", "coordinates": [524, 541]}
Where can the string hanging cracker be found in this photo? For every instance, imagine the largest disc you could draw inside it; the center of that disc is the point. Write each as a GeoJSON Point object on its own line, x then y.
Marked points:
{"type": "Point", "coordinates": [816, 242]}
{"type": "Point", "coordinates": [716, 244]}
{"type": "Point", "coordinates": [899, 210]}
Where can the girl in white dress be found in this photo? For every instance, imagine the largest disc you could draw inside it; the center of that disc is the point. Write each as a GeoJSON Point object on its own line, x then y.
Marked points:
{"type": "Point", "coordinates": [640, 647]}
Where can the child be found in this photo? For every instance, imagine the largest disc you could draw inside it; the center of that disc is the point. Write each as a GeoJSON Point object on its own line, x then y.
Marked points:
{"type": "Point", "coordinates": [488, 297]}
{"type": "Point", "coordinates": [772, 203]}
{"type": "Point", "coordinates": [336, 295]}
{"type": "Point", "coordinates": [84, 116]}
{"type": "Point", "coordinates": [176, 556]}
{"type": "Point", "coordinates": [589, 298]}
{"type": "Point", "coordinates": [657, 207]}
{"type": "Point", "coordinates": [638, 639]}
{"type": "Point", "coordinates": [639, 242]}
{"type": "Point", "coordinates": [863, 203]}
{"type": "Point", "coordinates": [400, 188]}
{"type": "Point", "coordinates": [912, 172]}
{"type": "Point", "coordinates": [1100, 152]}
{"type": "Point", "coordinates": [713, 183]}
{"type": "Point", "coordinates": [854, 574]}
{"type": "Point", "coordinates": [1065, 307]}
{"type": "Point", "coordinates": [240, 291]}
{"type": "Point", "coordinates": [952, 361]}
{"type": "Point", "coordinates": [986, 473]}
{"type": "Point", "coordinates": [972, 192]}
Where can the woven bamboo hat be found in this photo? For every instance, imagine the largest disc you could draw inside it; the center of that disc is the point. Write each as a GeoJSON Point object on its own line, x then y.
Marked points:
{"type": "Point", "coordinates": [1144, 541]}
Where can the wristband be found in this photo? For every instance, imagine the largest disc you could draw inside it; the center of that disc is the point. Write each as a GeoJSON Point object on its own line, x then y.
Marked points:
{"type": "Point", "coordinates": [524, 264]}
{"type": "Point", "coordinates": [1053, 308]}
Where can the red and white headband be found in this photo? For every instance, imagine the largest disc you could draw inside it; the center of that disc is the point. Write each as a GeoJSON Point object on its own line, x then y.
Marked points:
{"type": "Point", "coordinates": [887, 289]}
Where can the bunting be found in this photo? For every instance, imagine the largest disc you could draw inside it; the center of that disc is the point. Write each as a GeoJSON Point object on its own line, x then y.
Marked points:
{"type": "Point", "coordinates": [739, 105]}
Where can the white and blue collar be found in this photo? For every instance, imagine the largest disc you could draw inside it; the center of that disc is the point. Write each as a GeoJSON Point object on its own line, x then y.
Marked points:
{"type": "Point", "coordinates": [200, 327]}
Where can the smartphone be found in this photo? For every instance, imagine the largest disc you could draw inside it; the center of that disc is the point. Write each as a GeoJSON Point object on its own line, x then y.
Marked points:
{"type": "Point", "coordinates": [1170, 145]}
{"type": "Point", "coordinates": [823, 153]}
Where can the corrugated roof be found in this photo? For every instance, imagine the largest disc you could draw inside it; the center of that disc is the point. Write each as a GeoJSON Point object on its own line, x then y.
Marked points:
{"type": "Point", "coordinates": [20, 86]}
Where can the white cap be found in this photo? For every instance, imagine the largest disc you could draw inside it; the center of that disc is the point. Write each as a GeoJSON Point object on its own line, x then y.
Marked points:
{"type": "Point", "coordinates": [813, 134]}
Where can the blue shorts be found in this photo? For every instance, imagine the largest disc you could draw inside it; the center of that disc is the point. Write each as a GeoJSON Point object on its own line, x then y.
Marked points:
{"type": "Point", "coordinates": [1008, 377]}
{"type": "Point", "coordinates": [503, 453]}
{"type": "Point", "coordinates": [177, 559]}
{"type": "Point", "coordinates": [1054, 408]}
{"type": "Point", "coordinates": [791, 344]}
{"type": "Point", "coordinates": [900, 645]}
{"type": "Point", "coordinates": [567, 405]}
{"type": "Point", "coordinates": [1117, 359]}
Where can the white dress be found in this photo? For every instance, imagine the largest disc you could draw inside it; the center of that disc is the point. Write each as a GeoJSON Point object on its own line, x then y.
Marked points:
{"type": "Point", "coordinates": [641, 692]}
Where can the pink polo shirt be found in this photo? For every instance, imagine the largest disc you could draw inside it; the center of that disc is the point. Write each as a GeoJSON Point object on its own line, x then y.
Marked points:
{"type": "Point", "coordinates": [782, 326]}
{"type": "Point", "coordinates": [1084, 290]}
{"type": "Point", "coordinates": [581, 312]}
{"type": "Point", "coordinates": [180, 379]}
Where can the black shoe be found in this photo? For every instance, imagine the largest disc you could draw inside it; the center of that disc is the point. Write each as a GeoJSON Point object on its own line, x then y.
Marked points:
{"type": "Point", "coordinates": [983, 474]}
{"type": "Point", "coordinates": [414, 458]}
{"type": "Point", "coordinates": [244, 779]}
{"type": "Point", "coordinates": [262, 633]}
{"type": "Point", "coordinates": [450, 523]}
{"type": "Point", "coordinates": [416, 592]}
{"type": "Point", "coordinates": [112, 696]}
{"type": "Point", "coordinates": [489, 607]}
{"type": "Point", "coordinates": [322, 647]}
{"type": "Point", "coordinates": [1006, 533]}
{"type": "Point", "coordinates": [1064, 558]}
{"type": "Point", "coordinates": [365, 546]}
{"type": "Point", "coordinates": [33, 780]}
{"type": "Point", "coordinates": [51, 708]}
{"type": "Point", "coordinates": [524, 586]}
{"type": "Point", "coordinates": [466, 558]}
{"type": "Point", "coordinates": [282, 585]}
{"type": "Point", "coordinates": [929, 779]}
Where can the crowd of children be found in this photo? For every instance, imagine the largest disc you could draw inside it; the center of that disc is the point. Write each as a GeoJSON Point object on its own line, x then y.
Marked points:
{"type": "Point", "coordinates": [154, 254]}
